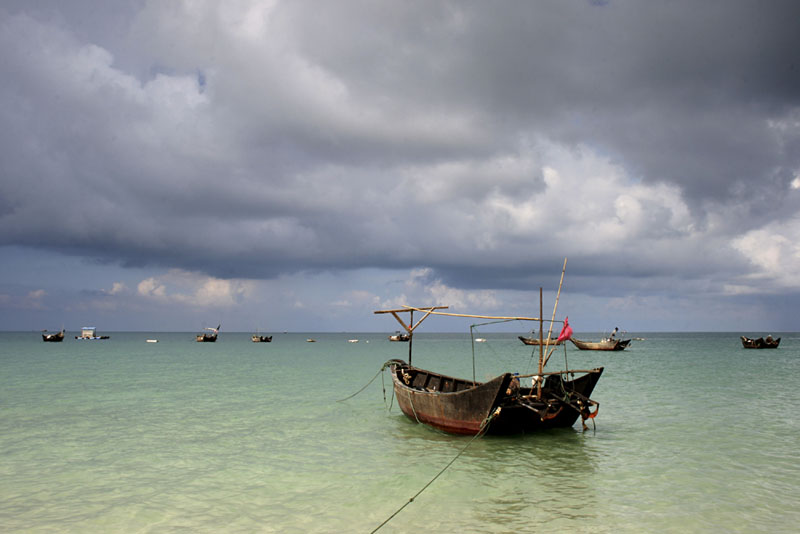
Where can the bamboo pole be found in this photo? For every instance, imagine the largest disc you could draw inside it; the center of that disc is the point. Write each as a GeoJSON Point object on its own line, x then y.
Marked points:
{"type": "Point", "coordinates": [430, 311]}
{"type": "Point", "coordinates": [555, 307]}
{"type": "Point", "coordinates": [480, 316]}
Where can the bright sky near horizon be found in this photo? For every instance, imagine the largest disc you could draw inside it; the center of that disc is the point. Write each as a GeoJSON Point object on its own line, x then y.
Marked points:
{"type": "Point", "coordinates": [280, 165]}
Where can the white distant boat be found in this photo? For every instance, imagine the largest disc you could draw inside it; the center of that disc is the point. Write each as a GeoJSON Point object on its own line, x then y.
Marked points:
{"type": "Point", "coordinates": [480, 340]}
{"type": "Point", "coordinates": [152, 341]}
{"type": "Point", "coordinates": [89, 332]}
{"type": "Point", "coordinates": [352, 341]}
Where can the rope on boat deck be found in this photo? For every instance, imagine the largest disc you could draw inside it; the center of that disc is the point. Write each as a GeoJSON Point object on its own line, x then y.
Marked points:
{"type": "Point", "coordinates": [484, 427]}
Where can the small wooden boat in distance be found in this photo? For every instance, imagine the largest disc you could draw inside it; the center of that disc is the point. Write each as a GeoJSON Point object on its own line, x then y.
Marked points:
{"type": "Point", "coordinates": [255, 338]}
{"type": "Point", "coordinates": [53, 337]}
{"type": "Point", "coordinates": [535, 341]}
{"type": "Point", "coordinates": [208, 338]}
{"type": "Point", "coordinates": [760, 343]}
{"type": "Point", "coordinates": [606, 344]}
{"type": "Point", "coordinates": [398, 336]}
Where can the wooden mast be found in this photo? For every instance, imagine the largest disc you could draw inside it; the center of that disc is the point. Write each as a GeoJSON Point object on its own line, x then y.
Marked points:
{"type": "Point", "coordinates": [410, 337]}
{"type": "Point", "coordinates": [541, 349]}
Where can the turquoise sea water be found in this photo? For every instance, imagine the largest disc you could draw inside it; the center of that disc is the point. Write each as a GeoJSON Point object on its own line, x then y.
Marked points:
{"type": "Point", "coordinates": [694, 434]}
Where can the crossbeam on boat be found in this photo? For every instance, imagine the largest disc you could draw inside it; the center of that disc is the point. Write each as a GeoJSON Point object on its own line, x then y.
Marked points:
{"type": "Point", "coordinates": [411, 308]}
{"type": "Point", "coordinates": [409, 327]}
{"type": "Point", "coordinates": [473, 316]}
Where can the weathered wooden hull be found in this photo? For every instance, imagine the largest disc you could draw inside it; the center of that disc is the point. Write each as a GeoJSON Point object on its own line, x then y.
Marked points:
{"type": "Point", "coordinates": [535, 341]}
{"type": "Point", "coordinates": [760, 343]}
{"type": "Point", "coordinates": [609, 345]}
{"type": "Point", "coordinates": [206, 338]}
{"type": "Point", "coordinates": [460, 406]}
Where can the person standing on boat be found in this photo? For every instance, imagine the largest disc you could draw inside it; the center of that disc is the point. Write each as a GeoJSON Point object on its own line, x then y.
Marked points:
{"type": "Point", "coordinates": [614, 333]}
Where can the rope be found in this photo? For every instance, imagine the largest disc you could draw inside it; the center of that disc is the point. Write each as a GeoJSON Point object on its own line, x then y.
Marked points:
{"type": "Point", "coordinates": [484, 427]}
{"type": "Point", "coordinates": [411, 402]}
{"type": "Point", "coordinates": [384, 366]}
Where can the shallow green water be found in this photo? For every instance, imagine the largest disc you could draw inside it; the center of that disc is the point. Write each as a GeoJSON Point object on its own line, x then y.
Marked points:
{"type": "Point", "coordinates": [694, 434]}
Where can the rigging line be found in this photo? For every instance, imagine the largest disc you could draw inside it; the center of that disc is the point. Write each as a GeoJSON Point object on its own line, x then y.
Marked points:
{"type": "Point", "coordinates": [481, 432]}
{"type": "Point", "coordinates": [472, 330]}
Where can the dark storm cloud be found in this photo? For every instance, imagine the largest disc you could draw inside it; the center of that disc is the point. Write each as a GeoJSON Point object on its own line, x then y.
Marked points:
{"type": "Point", "coordinates": [484, 141]}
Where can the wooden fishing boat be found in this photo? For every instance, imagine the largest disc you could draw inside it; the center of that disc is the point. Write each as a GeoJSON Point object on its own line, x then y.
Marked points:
{"type": "Point", "coordinates": [255, 338]}
{"type": "Point", "coordinates": [398, 336]}
{"type": "Point", "coordinates": [499, 406]}
{"type": "Point", "coordinates": [606, 344]}
{"type": "Point", "coordinates": [206, 337]}
{"type": "Point", "coordinates": [535, 341]}
{"type": "Point", "coordinates": [461, 406]}
{"type": "Point", "coordinates": [760, 343]}
{"type": "Point", "coordinates": [53, 337]}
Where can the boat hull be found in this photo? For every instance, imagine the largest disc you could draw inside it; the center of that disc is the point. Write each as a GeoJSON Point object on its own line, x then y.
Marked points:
{"type": "Point", "coordinates": [535, 341]}
{"type": "Point", "coordinates": [760, 343]}
{"type": "Point", "coordinates": [460, 406]}
{"type": "Point", "coordinates": [608, 345]}
{"type": "Point", "coordinates": [206, 338]}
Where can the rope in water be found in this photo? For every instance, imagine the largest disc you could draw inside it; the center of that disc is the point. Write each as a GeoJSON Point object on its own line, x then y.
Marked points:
{"type": "Point", "coordinates": [484, 427]}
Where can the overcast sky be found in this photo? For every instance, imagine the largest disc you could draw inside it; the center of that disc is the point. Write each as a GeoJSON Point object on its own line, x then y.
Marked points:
{"type": "Point", "coordinates": [295, 165]}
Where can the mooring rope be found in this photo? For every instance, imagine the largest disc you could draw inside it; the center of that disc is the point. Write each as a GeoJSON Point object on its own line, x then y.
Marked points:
{"type": "Point", "coordinates": [384, 366]}
{"type": "Point", "coordinates": [484, 427]}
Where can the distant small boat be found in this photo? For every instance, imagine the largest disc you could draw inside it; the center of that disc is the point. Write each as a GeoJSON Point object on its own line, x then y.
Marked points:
{"type": "Point", "coordinates": [208, 338]}
{"type": "Point", "coordinates": [399, 336]}
{"type": "Point", "coordinates": [54, 337]}
{"type": "Point", "coordinates": [89, 333]}
{"type": "Point", "coordinates": [760, 343]}
{"type": "Point", "coordinates": [255, 338]}
{"type": "Point", "coordinates": [152, 341]}
{"type": "Point", "coordinates": [606, 344]}
{"type": "Point", "coordinates": [480, 340]}
{"type": "Point", "coordinates": [533, 340]}
{"type": "Point", "coordinates": [352, 341]}
{"type": "Point", "coordinates": [309, 340]}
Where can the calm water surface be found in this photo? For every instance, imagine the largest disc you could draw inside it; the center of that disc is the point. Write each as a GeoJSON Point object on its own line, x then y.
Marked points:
{"type": "Point", "coordinates": [694, 434]}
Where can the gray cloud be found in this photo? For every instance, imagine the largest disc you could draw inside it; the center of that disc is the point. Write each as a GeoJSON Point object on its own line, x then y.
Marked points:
{"type": "Point", "coordinates": [652, 144]}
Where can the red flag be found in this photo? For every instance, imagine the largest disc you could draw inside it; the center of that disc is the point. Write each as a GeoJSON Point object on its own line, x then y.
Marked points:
{"type": "Point", "coordinates": [566, 332]}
